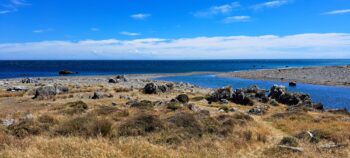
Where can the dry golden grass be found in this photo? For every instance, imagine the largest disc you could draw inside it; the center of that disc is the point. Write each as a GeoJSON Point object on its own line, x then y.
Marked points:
{"type": "Point", "coordinates": [72, 125]}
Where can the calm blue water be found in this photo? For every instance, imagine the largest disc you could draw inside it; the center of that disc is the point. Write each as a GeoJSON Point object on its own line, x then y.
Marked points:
{"type": "Point", "coordinates": [330, 96]}
{"type": "Point", "coordinates": [11, 69]}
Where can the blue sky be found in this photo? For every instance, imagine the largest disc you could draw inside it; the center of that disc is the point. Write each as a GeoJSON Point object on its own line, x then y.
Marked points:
{"type": "Point", "coordinates": [128, 29]}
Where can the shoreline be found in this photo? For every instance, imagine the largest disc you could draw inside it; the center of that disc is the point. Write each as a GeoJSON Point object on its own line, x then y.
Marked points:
{"type": "Point", "coordinates": [318, 75]}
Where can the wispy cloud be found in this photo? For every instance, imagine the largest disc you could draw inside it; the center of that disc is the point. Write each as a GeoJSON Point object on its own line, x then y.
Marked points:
{"type": "Point", "coordinates": [126, 33]}
{"type": "Point", "coordinates": [233, 19]}
{"type": "Point", "coordinates": [140, 16]}
{"type": "Point", "coordinates": [94, 29]}
{"type": "Point", "coordinates": [331, 45]}
{"type": "Point", "coordinates": [271, 4]}
{"type": "Point", "coordinates": [335, 12]}
{"type": "Point", "coordinates": [4, 12]}
{"type": "Point", "coordinates": [42, 30]}
{"type": "Point", "coordinates": [11, 6]}
{"type": "Point", "coordinates": [215, 10]}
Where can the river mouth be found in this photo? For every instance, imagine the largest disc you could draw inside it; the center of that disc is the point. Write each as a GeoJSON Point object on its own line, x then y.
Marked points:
{"type": "Point", "coordinates": [331, 96]}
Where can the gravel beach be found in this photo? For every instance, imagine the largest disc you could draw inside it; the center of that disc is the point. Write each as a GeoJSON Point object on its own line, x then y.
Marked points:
{"type": "Point", "coordinates": [330, 75]}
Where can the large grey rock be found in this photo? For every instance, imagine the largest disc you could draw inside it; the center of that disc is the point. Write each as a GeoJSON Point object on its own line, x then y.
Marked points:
{"type": "Point", "coordinates": [46, 92]}
{"type": "Point", "coordinates": [17, 88]}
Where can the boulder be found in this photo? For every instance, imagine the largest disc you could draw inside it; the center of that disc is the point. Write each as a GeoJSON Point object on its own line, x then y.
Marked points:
{"type": "Point", "coordinates": [276, 91]}
{"type": "Point", "coordinates": [257, 111]}
{"type": "Point", "coordinates": [46, 92]}
{"type": "Point", "coordinates": [66, 72]}
{"type": "Point", "coordinates": [221, 93]}
{"type": "Point", "coordinates": [183, 98]}
{"type": "Point", "coordinates": [27, 80]}
{"type": "Point", "coordinates": [150, 88]}
{"type": "Point", "coordinates": [293, 84]}
{"type": "Point", "coordinates": [318, 106]}
{"type": "Point", "coordinates": [118, 79]}
{"type": "Point", "coordinates": [100, 95]}
{"type": "Point", "coordinates": [239, 97]}
{"type": "Point", "coordinates": [17, 88]}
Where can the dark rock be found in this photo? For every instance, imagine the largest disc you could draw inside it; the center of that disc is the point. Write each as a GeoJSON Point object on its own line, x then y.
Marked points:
{"type": "Point", "coordinates": [112, 80]}
{"type": "Point", "coordinates": [239, 97]}
{"type": "Point", "coordinates": [66, 72]}
{"type": "Point", "coordinates": [118, 79]}
{"type": "Point", "coordinates": [150, 88]}
{"type": "Point", "coordinates": [183, 98]}
{"type": "Point", "coordinates": [100, 95]}
{"type": "Point", "coordinates": [318, 106]}
{"type": "Point", "coordinates": [293, 84]}
{"type": "Point", "coordinates": [27, 80]}
{"type": "Point", "coordinates": [222, 93]}
{"type": "Point", "coordinates": [163, 88]}
{"type": "Point", "coordinates": [276, 91]}
{"type": "Point", "coordinates": [46, 92]}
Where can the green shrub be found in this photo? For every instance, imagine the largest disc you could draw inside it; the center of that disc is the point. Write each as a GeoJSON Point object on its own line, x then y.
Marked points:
{"type": "Point", "coordinates": [174, 105]}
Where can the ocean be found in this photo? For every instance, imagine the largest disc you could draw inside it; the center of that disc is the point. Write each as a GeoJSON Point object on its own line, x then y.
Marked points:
{"type": "Point", "coordinates": [41, 68]}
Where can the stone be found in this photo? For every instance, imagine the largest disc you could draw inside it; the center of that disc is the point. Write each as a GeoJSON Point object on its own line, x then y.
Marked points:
{"type": "Point", "coordinates": [221, 93]}
{"type": "Point", "coordinates": [224, 101]}
{"type": "Point", "coordinates": [150, 88]}
{"type": "Point", "coordinates": [46, 92]}
{"type": "Point", "coordinates": [292, 84]}
{"type": "Point", "coordinates": [66, 72]}
{"type": "Point", "coordinates": [8, 122]}
{"type": "Point", "coordinates": [98, 95]}
{"type": "Point", "coordinates": [257, 111]}
{"type": "Point", "coordinates": [17, 88]}
{"type": "Point", "coordinates": [183, 98]}
{"type": "Point", "coordinates": [27, 80]}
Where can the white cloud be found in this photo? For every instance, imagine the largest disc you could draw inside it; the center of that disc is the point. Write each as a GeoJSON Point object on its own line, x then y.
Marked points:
{"type": "Point", "coordinates": [4, 12]}
{"type": "Point", "coordinates": [94, 29]}
{"type": "Point", "coordinates": [233, 19]}
{"type": "Point", "coordinates": [126, 33]}
{"type": "Point", "coordinates": [215, 10]}
{"type": "Point", "coordinates": [271, 4]}
{"type": "Point", "coordinates": [311, 46]}
{"type": "Point", "coordinates": [41, 30]}
{"type": "Point", "coordinates": [140, 16]}
{"type": "Point", "coordinates": [335, 12]}
{"type": "Point", "coordinates": [12, 6]}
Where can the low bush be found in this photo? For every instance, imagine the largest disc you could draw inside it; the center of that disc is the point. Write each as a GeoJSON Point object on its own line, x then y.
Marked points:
{"type": "Point", "coordinates": [25, 128]}
{"type": "Point", "coordinates": [77, 107]}
{"type": "Point", "coordinates": [140, 125]}
{"type": "Point", "coordinates": [87, 126]}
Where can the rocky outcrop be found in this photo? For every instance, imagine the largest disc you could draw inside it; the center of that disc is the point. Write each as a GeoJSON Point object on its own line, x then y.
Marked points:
{"type": "Point", "coordinates": [66, 72]}
{"type": "Point", "coordinates": [221, 93]}
{"type": "Point", "coordinates": [280, 94]}
{"type": "Point", "coordinates": [152, 88]}
{"type": "Point", "coordinates": [27, 80]}
{"type": "Point", "coordinates": [46, 92]}
{"type": "Point", "coordinates": [118, 79]}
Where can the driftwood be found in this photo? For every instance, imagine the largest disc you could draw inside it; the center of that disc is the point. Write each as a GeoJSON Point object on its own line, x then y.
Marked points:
{"type": "Point", "coordinates": [297, 149]}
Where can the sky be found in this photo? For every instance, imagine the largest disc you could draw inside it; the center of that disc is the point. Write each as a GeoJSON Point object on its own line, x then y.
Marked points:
{"type": "Point", "coordinates": [174, 29]}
